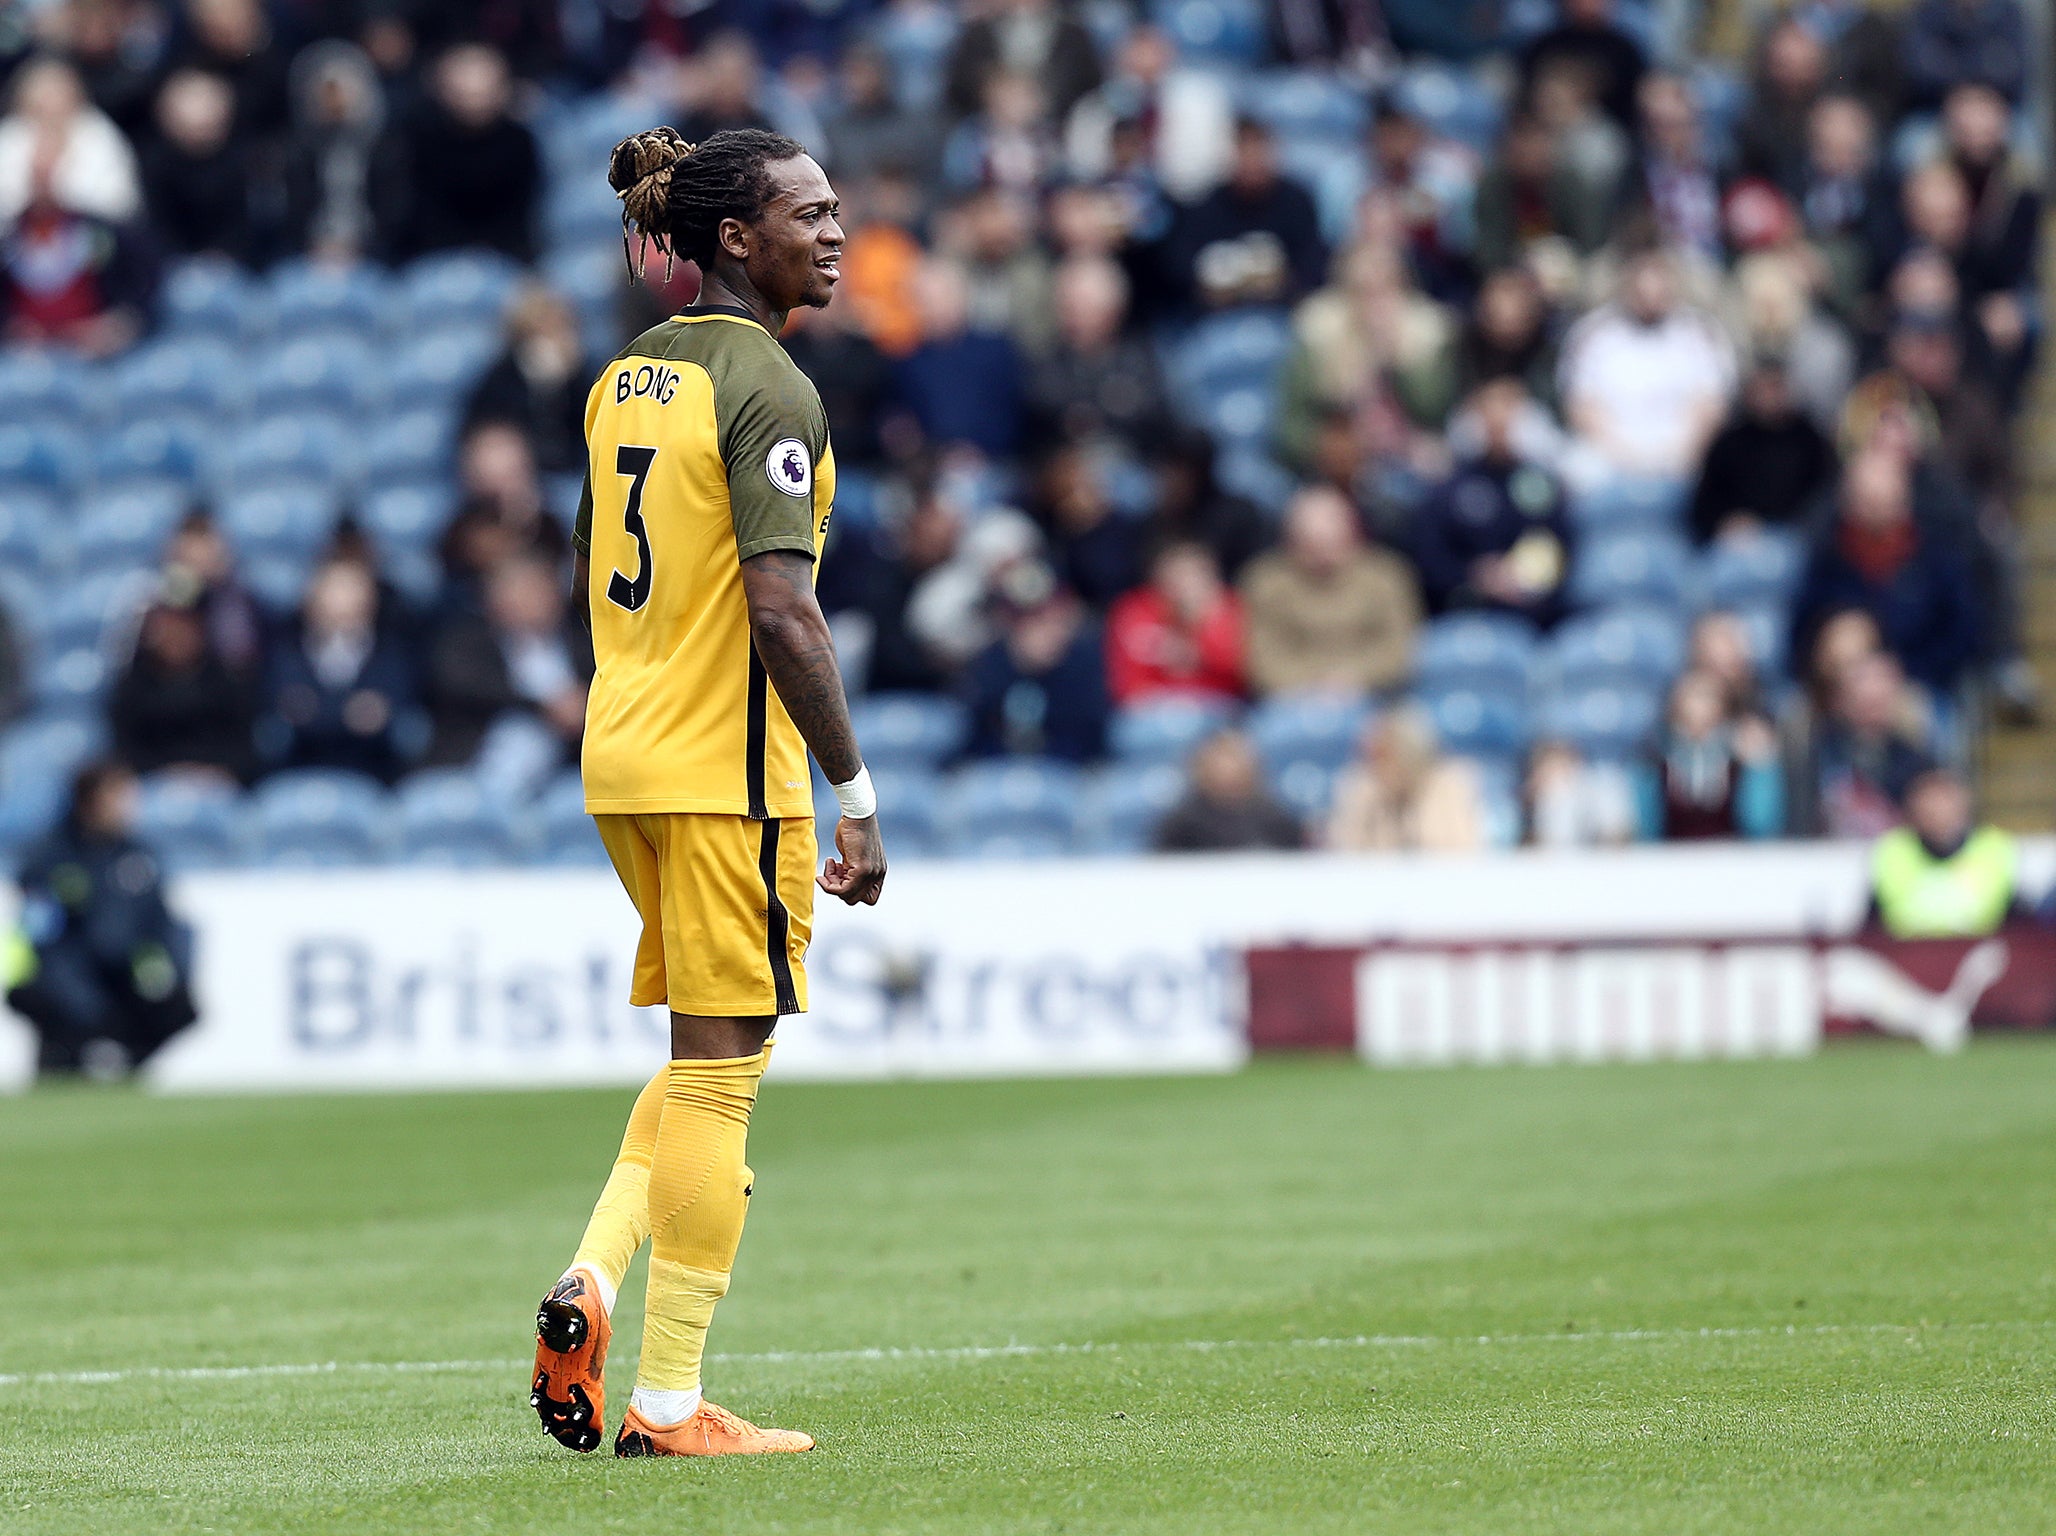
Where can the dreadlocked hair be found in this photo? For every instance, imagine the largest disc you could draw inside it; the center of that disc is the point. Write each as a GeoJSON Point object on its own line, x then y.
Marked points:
{"type": "Point", "coordinates": [676, 194]}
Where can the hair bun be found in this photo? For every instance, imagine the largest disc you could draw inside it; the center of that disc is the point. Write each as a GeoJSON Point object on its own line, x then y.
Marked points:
{"type": "Point", "coordinates": [639, 171]}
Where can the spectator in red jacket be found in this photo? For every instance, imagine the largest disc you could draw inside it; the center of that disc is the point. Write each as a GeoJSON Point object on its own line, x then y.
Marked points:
{"type": "Point", "coordinates": [1181, 633]}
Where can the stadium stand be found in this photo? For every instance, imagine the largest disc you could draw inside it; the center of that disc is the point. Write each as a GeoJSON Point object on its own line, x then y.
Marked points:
{"type": "Point", "coordinates": [1297, 277]}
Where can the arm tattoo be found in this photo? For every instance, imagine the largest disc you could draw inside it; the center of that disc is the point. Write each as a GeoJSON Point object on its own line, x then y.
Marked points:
{"type": "Point", "coordinates": [798, 653]}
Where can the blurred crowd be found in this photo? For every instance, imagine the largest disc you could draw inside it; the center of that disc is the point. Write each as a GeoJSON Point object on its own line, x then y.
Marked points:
{"type": "Point", "coordinates": [1203, 363]}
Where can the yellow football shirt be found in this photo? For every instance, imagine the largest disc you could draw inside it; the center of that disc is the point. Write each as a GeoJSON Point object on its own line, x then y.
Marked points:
{"type": "Point", "coordinates": [706, 445]}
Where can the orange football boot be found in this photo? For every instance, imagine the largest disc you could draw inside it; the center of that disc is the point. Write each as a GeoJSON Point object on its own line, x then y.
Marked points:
{"type": "Point", "coordinates": [570, 1390]}
{"type": "Point", "coordinates": [710, 1431]}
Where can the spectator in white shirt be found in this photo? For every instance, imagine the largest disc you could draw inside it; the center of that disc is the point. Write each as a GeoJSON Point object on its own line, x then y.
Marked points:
{"type": "Point", "coordinates": [1645, 379]}
{"type": "Point", "coordinates": [93, 170]}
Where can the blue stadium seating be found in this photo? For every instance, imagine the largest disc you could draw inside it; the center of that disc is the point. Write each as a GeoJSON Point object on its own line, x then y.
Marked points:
{"type": "Point", "coordinates": [28, 519]}
{"type": "Point", "coordinates": [412, 445]}
{"type": "Point", "coordinates": [197, 374]}
{"type": "Point", "coordinates": [1646, 568]}
{"type": "Point", "coordinates": [337, 373]}
{"type": "Point", "coordinates": [1319, 729]}
{"type": "Point", "coordinates": [1630, 505]}
{"type": "Point", "coordinates": [191, 823]}
{"type": "Point", "coordinates": [1010, 844]}
{"type": "Point", "coordinates": [1492, 651]}
{"type": "Point", "coordinates": [128, 524]}
{"type": "Point", "coordinates": [45, 457]}
{"type": "Point", "coordinates": [1769, 627]}
{"type": "Point", "coordinates": [1241, 349]}
{"type": "Point", "coordinates": [582, 212]}
{"type": "Point", "coordinates": [277, 581]}
{"type": "Point", "coordinates": [1307, 790]}
{"type": "Point", "coordinates": [409, 516]}
{"type": "Point", "coordinates": [1248, 470]}
{"type": "Point", "coordinates": [472, 286]}
{"type": "Point", "coordinates": [310, 818]}
{"type": "Point", "coordinates": [907, 800]}
{"type": "Point", "coordinates": [561, 832]}
{"type": "Point", "coordinates": [1639, 646]}
{"type": "Point", "coordinates": [163, 446]}
{"type": "Point", "coordinates": [444, 817]}
{"type": "Point", "coordinates": [211, 296]}
{"type": "Point", "coordinates": [908, 730]}
{"type": "Point", "coordinates": [1604, 721]}
{"type": "Point", "coordinates": [438, 367]}
{"type": "Point", "coordinates": [1764, 568]}
{"type": "Point", "coordinates": [278, 517]}
{"type": "Point", "coordinates": [1226, 31]}
{"type": "Point", "coordinates": [1304, 103]}
{"type": "Point", "coordinates": [1165, 730]}
{"type": "Point", "coordinates": [87, 612]}
{"type": "Point", "coordinates": [1031, 798]}
{"type": "Point", "coordinates": [39, 384]}
{"type": "Point", "coordinates": [315, 449]}
{"type": "Point", "coordinates": [71, 681]}
{"type": "Point", "coordinates": [37, 758]}
{"type": "Point", "coordinates": [320, 295]}
{"type": "Point", "coordinates": [1123, 805]}
{"type": "Point", "coordinates": [1478, 722]}
{"type": "Point", "coordinates": [1452, 102]}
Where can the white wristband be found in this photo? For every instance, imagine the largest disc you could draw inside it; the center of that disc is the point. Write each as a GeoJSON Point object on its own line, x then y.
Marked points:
{"type": "Point", "coordinates": [859, 799]}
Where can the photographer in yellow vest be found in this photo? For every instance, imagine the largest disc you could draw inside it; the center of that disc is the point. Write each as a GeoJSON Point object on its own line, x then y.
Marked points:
{"type": "Point", "coordinates": [1941, 875]}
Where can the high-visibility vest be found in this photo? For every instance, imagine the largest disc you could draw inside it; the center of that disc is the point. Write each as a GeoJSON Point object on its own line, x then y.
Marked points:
{"type": "Point", "coordinates": [1965, 895]}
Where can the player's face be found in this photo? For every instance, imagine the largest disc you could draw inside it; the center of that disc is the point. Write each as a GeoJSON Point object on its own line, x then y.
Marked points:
{"type": "Point", "coordinates": [796, 253]}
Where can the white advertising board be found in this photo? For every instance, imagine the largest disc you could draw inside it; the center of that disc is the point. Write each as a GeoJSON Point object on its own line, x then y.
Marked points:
{"type": "Point", "coordinates": [402, 978]}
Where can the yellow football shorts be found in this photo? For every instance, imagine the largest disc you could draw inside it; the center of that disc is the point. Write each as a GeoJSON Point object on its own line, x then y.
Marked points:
{"type": "Point", "coordinates": [727, 907]}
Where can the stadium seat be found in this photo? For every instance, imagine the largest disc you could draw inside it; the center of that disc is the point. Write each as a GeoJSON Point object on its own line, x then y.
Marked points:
{"type": "Point", "coordinates": [1296, 103]}
{"type": "Point", "coordinates": [324, 295]}
{"type": "Point", "coordinates": [279, 518]}
{"type": "Point", "coordinates": [1248, 470]}
{"type": "Point", "coordinates": [1317, 729]}
{"type": "Point", "coordinates": [582, 213]}
{"type": "Point", "coordinates": [1476, 722]}
{"type": "Point", "coordinates": [412, 445]}
{"type": "Point", "coordinates": [310, 450]}
{"type": "Point", "coordinates": [1028, 797]}
{"type": "Point", "coordinates": [278, 581]}
{"type": "Point", "coordinates": [29, 524]}
{"type": "Point", "coordinates": [409, 516]}
{"type": "Point", "coordinates": [127, 525]}
{"type": "Point", "coordinates": [188, 374]}
{"type": "Point", "coordinates": [164, 446]}
{"type": "Point", "coordinates": [1240, 416]}
{"type": "Point", "coordinates": [1165, 730]}
{"type": "Point", "coordinates": [1010, 844]}
{"type": "Point", "coordinates": [907, 801]}
{"type": "Point", "coordinates": [1763, 568]}
{"type": "Point", "coordinates": [212, 296]}
{"type": "Point", "coordinates": [1123, 805]}
{"type": "Point", "coordinates": [190, 822]}
{"type": "Point", "coordinates": [1306, 789]}
{"type": "Point", "coordinates": [560, 830]}
{"type": "Point", "coordinates": [317, 818]}
{"type": "Point", "coordinates": [37, 383]}
{"type": "Point", "coordinates": [1453, 103]}
{"type": "Point", "coordinates": [458, 286]}
{"type": "Point", "coordinates": [589, 276]}
{"type": "Point", "coordinates": [1222, 31]}
{"type": "Point", "coordinates": [70, 681]}
{"type": "Point", "coordinates": [39, 755]}
{"type": "Point", "coordinates": [1643, 647]}
{"type": "Point", "coordinates": [93, 609]}
{"type": "Point", "coordinates": [1604, 721]}
{"type": "Point", "coordinates": [443, 816]}
{"type": "Point", "coordinates": [1241, 349]}
{"type": "Point", "coordinates": [1630, 505]}
{"type": "Point", "coordinates": [1491, 651]}
{"type": "Point", "coordinates": [908, 730]}
{"type": "Point", "coordinates": [1619, 568]}
{"type": "Point", "coordinates": [344, 374]}
{"type": "Point", "coordinates": [1769, 628]}
{"type": "Point", "coordinates": [44, 457]}
{"type": "Point", "coordinates": [438, 368]}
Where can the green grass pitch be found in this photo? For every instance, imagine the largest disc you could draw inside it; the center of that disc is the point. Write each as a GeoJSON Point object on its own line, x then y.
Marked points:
{"type": "Point", "coordinates": [1792, 1296]}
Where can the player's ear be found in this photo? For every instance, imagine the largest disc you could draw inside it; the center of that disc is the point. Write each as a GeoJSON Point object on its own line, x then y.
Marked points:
{"type": "Point", "coordinates": [734, 238]}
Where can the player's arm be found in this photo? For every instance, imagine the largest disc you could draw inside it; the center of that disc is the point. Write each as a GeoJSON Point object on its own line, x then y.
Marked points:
{"type": "Point", "coordinates": [792, 639]}
{"type": "Point", "coordinates": [581, 556]}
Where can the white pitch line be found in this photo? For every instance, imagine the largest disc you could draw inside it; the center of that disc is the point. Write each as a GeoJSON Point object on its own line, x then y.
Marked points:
{"type": "Point", "coordinates": [1393, 1341]}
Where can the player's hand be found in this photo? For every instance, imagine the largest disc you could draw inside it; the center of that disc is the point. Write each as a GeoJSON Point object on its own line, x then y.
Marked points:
{"type": "Point", "coordinates": [859, 875]}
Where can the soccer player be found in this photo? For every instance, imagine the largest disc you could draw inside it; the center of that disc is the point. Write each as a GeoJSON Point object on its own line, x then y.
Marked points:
{"type": "Point", "coordinates": [708, 487]}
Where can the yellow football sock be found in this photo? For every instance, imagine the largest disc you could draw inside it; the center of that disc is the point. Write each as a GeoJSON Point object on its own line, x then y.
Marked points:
{"type": "Point", "coordinates": [621, 1219]}
{"type": "Point", "coordinates": [699, 1195]}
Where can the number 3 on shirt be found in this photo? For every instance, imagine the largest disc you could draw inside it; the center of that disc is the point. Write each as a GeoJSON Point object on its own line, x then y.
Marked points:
{"type": "Point", "coordinates": [635, 463]}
